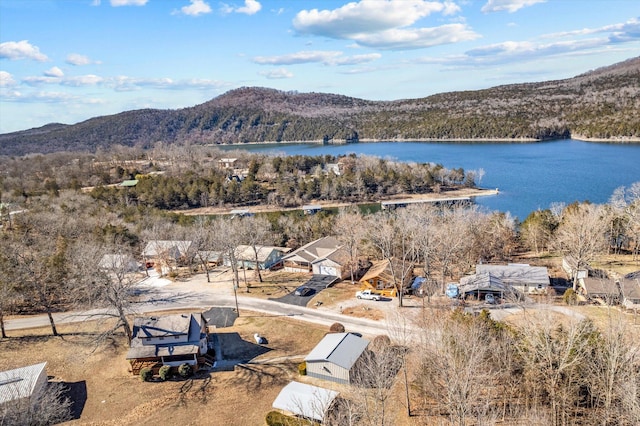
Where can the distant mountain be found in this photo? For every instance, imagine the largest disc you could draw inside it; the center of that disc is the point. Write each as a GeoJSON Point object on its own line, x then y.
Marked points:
{"type": "Point", "coordinates": [600, 104]}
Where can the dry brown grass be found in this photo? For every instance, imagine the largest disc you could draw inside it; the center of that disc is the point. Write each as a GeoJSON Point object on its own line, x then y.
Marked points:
{"type": "Point", "coordinates": [275, 283]}
{"type": "Point", "coordinates": [116, 397]}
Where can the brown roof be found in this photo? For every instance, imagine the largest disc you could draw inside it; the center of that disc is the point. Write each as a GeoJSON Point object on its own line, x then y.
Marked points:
{"type": "Point", "coordinates": [600, 286]}
{"type": "Point", "coordinates": [382, 269]}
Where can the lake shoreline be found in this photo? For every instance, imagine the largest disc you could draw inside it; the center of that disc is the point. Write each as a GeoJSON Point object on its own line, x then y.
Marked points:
{"type": "Point", "coordinates": [265, 208]}
{"type": "Point", "coordinates": [616, 140]}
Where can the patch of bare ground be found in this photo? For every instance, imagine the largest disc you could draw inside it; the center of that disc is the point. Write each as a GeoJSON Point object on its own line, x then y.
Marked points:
{"type": "Point", "coordinates": [274, 283]}
{"type": "Point", "coordinates": [618, 264]}
{"type": "Point", "coordinates": [108, 394]}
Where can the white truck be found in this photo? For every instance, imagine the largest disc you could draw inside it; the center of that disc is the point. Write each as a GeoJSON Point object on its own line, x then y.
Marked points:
{"type": "Point", "coordinates": [368, 295]}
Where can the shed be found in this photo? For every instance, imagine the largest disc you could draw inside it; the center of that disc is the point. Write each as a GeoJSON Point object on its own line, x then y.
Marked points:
{"type": "Point", "coordinates": [307, 401]}
{"type": "Point", "coordinates": [335, 357]}
{"type": "Point", "coordinates": [23, 382]}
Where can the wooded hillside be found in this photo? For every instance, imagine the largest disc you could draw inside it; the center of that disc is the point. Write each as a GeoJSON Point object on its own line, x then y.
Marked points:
{"type": "Point", "coordinates": [601, 104]}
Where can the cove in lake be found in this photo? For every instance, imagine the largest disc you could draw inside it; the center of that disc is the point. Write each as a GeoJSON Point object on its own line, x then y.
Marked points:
{"type": "Point", "coordinates": [530, 176]}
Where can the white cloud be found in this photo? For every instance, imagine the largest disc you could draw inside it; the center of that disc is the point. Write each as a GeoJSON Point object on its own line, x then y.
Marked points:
{"type": "Point", "coordinates": [6, 79]}
{"type": "Point", "coordinates": [54, 72]}
{"type": "Point", "coordinates": [251, 7]}
{"type": "Point", "coordinates": [401, 39]}
{"type": "Point", "coordinates": [316, 56]}
{"type": "Point", "coordinates": [562, 44]}
{"type": "Point", "coordinates": [385, 24]}
{"type": "Point", "coordinates": [117, 3]}
{"type": "Point", "coordinates": [366, 16]}
{"type": "Point", "coordinates": [276, 74]}
{"type": "Point", "coordinates": [195, 8]}
{"type": "Point", "coordinates": [21, 50]}
{"type": "Point", "coordinates": [78, 59]}
{"type": "Point", "coordinates": [508, 5]}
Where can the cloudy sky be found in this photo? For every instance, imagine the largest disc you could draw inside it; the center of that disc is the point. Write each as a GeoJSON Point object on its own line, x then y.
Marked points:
{"type": "Point", "coordinates": [69, 60]}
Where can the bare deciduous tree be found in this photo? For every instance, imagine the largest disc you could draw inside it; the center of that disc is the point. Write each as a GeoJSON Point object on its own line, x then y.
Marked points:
{"type": "Point", "coordinates": [581, 234]}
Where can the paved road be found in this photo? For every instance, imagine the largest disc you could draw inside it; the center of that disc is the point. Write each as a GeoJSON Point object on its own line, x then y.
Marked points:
{"type": "Point", "coordinates": [166, 298]}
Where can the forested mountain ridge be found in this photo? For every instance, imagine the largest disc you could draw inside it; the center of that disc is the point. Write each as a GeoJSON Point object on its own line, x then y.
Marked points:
{"type": "Point", "coordinates": [601, 104]}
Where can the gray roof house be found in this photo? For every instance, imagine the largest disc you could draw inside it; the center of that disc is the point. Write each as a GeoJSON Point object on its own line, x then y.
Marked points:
{"type": "Point", "coordinates": [599, 288]}
{"type": "Point", "coordinates": [326, 248]}
{"type": "Point", "coordinates": [167, 340]}
{"type": "Point", "coordinates": [268, 256]}
{"type": "Point", "coordinates": [23, 382]}
{"type": "Point", "coordinates": [335, 357]}
{"type": "Point", "coordinates": [306, 401]}
{"type": "Point", "coordinates": [522, 277]}
{"type": "Point", "coordinates": [484, 283]}
{"type": "Point", "coordinates": [166, 248]}
{"type": "Point", "coordinates": [630, 289]}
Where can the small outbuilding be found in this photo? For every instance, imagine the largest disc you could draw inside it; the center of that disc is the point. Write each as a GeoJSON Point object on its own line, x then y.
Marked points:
{"type": "Point", "coordinates": [335, 357]}
{"type": "Point", "coordinates": [306, 401]}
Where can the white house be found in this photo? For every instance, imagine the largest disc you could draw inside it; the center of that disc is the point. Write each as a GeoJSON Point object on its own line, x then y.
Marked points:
{"type": "Point", "coordinates": [335, 357]}
{"type": "Point", "coordinates": [23, 382]}
{"type": "Point", "coordinates": [167, 340]}
{"type": "Point", "coordinates": [324, 256]}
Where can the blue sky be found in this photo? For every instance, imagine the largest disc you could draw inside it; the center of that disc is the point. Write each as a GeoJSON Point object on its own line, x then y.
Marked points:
{"type": "Point", "coordinates": [69, 60]}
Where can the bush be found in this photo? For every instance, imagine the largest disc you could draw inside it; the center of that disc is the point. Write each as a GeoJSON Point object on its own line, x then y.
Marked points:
{"type": "Point", "coordinates": [302, 368]}
{"type": "Point", "coordinates": [275, 418]}
{"type": "Point", "coordinates": [336, 327]}
{"type": "Point", "coordinates": [570, 297]}
{"type": "Point", "coordinates": [146, 374]}
{"type": "Point", "coordinates": [165, 372]}
{"type": "Point", "coordinates": [185, 370]}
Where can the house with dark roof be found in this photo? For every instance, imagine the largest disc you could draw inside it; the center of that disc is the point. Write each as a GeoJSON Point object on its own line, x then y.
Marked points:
{"type": "Point", "coordinates": [604, 289]}
{"type": "Point", "coordinates": [268, 256]}
{"type": "Point", "coordinates": [168, 340]}
{"type": "Point", "coordinates": [24, 382]}
{"type": "Point", "coordinates": [336, 357]}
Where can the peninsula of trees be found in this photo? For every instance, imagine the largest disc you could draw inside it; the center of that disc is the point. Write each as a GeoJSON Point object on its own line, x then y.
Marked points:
{"type": "Point", "coordinates": [603, 104]}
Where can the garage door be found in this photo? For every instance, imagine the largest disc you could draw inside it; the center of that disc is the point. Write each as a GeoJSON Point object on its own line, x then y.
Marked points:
{"type": "Point", "coordinates": [328, 270]}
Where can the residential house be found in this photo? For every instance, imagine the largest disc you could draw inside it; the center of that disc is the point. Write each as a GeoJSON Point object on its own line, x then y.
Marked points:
{"type": "Point", "coordinates": [599, 288]}
{"type": "Point", "coordinates": [335, 264]}
{"type": "Point", "coordinates": [630, 290]}
{"type": "Point", "coordinates": [268, 256]}
{"type": "Point", "coordinates": [481, 284]}
{"type": "Point", "coordinates": [166, 252]}
{"type": "Point", "coordinates": [386, 276]}
{"type": "Point", "coordinates": [23, 382]}
{"type": "Point", "coordinates": [227, 163]}
{"type": "Point", "coordinates": [335, 357]}
{"type": "Point", "coordinates": [168, 340]}
{"type": "Point", "coordinates": [305, 401]}
{"type": "Point", "coordinates": [302, 259]}
{"type": "Point", "coordinates": [118, 262]}
{"type": "Point", "coordinates": [522, 277]}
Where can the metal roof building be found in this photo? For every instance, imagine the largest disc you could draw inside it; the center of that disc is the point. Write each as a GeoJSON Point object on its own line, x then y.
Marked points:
{"type": "Point", "coordinates": [310, 402]}
{"type": "Point", "coordinates": [335, 357]}
{"type": "Point", "coordinates": [23, 382]}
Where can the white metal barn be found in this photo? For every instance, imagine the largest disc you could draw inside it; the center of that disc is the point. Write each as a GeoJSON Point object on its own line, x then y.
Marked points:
{"type": "Point", "coordinates": [307, 401]}
{"type": "Point", "coordinates": [335, 357]}
{"type": "Point", "coordinates": [24, 382]}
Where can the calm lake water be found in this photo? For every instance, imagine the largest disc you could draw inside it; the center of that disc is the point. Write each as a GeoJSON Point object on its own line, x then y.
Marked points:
{"type": "Point", "coordinates": [530, 176]}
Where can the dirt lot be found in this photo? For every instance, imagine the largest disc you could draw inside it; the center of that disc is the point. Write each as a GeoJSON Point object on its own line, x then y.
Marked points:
{"type": "Point", "coordinates": [109, 395]}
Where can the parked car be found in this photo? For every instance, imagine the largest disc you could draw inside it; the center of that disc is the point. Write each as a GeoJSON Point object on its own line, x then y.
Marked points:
{"type": "Point", "coordinates": [368, 295]}
{"type": "Point", "coordinates": [490, 299]}
{"type": "Point", "coordinates": [303, 291]}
